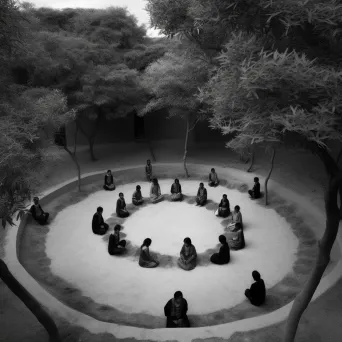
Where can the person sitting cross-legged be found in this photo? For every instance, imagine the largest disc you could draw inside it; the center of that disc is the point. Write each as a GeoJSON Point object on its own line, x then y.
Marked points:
{"type": "Point", "coordinates": [109, 181]}
{"type": "Point", "coordinates": [224, 207]}
{"type": "Point", "coordinates": [175, 310]}
{"type": "Point", "coordinates": [115, 246]}
{"type": "Point", "coordinates": [155, 193]}
{"type": "Point", "coordinates": [255, 192]}
{"type": "Point", "coordinates": [257, 293]}
{"type": "Point", "coordinates": [236, 238]}
{"type": "Point", "coordinates": [213, 178]}
{"type": "Point", "coordinates": [235, 218]}
{"type": "Point", "coordinates": [145, 259]}
{"type": "Point", "coordinates": [38, 213]}
{"type": "Point", "coordinates": [137, 198]}
{"type": "Point", "coordinates": [176, 191]}
{"type": "Point", "coordinates": [201, 198]}
{"type": "Point", "coordinates": [98, 225]}
{"type": "Point", "coordinates": [223, 256]}
{"type": "Point", "coordinates": [121, 210]}
{"type": "Point", "coordinates": [188, 256]}
{"type": "Point", "coordinates": [148, 170]}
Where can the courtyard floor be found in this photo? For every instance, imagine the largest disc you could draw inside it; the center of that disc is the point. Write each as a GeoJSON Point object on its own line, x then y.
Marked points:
{"type": "Point", "coordinates": [306, 178]}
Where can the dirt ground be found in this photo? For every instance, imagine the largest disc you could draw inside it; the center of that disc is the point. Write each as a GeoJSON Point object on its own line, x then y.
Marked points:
{"type": "Point", "coordinates": [302, 172]}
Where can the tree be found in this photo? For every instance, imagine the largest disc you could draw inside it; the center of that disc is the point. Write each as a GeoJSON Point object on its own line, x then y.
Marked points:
{"type": "Point", "coordinates": [21, 165]}
{"type": "Point", "coordinates": [173, 82]}
{"type": "Point", "coordinates": [108, 92]}
{"type": "Point", "coordinates": [270, 79]}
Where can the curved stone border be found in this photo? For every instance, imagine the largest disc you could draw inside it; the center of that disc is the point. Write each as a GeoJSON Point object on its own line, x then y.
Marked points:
{"type": "Point", "coordinates": [33, 257]}
{"type": "Point", "coordinates": [218, 331]}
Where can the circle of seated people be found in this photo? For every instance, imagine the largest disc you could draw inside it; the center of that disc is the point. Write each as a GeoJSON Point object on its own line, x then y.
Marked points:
{"type": "Point", "coordinates": [188, 259]}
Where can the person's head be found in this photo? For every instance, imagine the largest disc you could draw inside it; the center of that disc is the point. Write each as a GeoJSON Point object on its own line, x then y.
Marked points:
{"type": "Point", "coordinates": [213, 170]}
{"type": "Point", "coordinates": [187, 241]}
{"type": "Point", "coordinates": [201, 185]}
{"type": "Point", "coordinates": [177, 181]}
{"type": "Point", "coordinates": [155, 181]}
{"type": "Point", "coordinates": [109, 172]}
{"type": "Point", "coordinates": [238, 226]}
{"type": "Point", "coordinates": [256, 275]}
{"type": "Point", "coordinates": [237, 208]}
{"type": "Point", "coordinates": [35, 200]}
{"type": "Point", "coordinates": [222, 239]}
{"type": "Point", "coordinates": [224, 196]}
{"type": "Point", "coordinates": [147, 242]}
{"type": "Point", "coordinates": [148, 162]}
{"type": "Point", "coordinates": [256, 179]}
{"type": "Point", "coordinates": [117, 228]}
{"type": "Point", "coordinates": [178, 296]}
{"type": "Point", "coordinates": [99, 210]}
{"type": "Point", "coordinates": [121, 195]}
{"type": "Point", "coordinates": [138, 187]}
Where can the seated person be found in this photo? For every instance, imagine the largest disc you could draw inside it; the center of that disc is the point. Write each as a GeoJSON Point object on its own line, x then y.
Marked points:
{"type": "Point", "coordinates": [137, 198]}
{"type": "Point", "coordinates": [38, 213]}
{"type": "Point", "coordinates": [121, 210]}
{"type": "Point", "coordinates": [148, 170]}
{"type": "Point", "coordinates": [201, 198]}
{"type": "Point", "coordinates": [175, 310]}
{"type": "Point", "coordinates": [155, 193]}
{"type": "Point", "coordinates": [109, 181]}
{"type": "Point", "coordinates": [115, 246]}
{"type": "Point", "coordinates": [98, 225]}
{"type": "Point", "coordinates": [257, 293]}
{"type": "Point", "coordinates": [224, 207]}
{"type": "Point", "coordinates": [255, 192]}
{"type": "Point", "coordinates": [176, 191]}
{"type": "Point", "coordinates": [213, 179]}
{"type": "Point", "coordinates": [236, 218]}
{"type": "Point", "coordinates": [223, 256]}
{"type": "Point", "coordinates": [145, 259]}
{"type": "Point", "coordinates": [188, 256]}
{"type": "Point", "coordinates": [236, 239]}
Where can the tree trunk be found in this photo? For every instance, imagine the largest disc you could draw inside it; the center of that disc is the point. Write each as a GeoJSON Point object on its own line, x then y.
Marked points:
{"type": "Point", "coordinates": [186, 147]}
{"type": "Point", "coordinates": [75, 160]}
{"type": "Point", "coordinates": [91, 138]}
{"type": "Point", "coordinates": [268, 176]}
{"type": "Point", "coordinates": [252, 161]}
{"type": "Point", "coordinates": [91, 142]}
{"type": "Point", "coordinates": [325, 245]}
{"type": "Point", "coordinates": [75, 139]}
{"type": "Point", "coordinates": [31, 303]}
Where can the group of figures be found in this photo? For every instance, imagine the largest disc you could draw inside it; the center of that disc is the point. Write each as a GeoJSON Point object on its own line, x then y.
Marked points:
{"type": "Point", "coordinates": [176, 308]}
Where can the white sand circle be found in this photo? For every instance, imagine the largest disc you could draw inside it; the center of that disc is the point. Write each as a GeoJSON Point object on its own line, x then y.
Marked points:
{"type": "Point", "coordinates": [168, 223]}
{"type": "Point", "coordinates": [81, 258]}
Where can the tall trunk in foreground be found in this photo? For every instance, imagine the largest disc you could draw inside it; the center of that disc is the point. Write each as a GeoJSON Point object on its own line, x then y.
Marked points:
{"type": "Point", "coordinates": [325, 245]}
{"type": "Point", "coordinates": [186, 146]}
{"type": "Point", "coordinates": [252, 160]}
{"type": "Point", "coordinates": [268, 176]}
{"type": "Point", "coordinates": [31, 303]}
{"type": "Point", "coordinates": [75, 139]}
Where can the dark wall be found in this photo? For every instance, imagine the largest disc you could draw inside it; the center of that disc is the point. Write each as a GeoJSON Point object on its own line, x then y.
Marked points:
{"type": "Point", "coordinates": [108, 132]}
{"type": "Point", "coordinates": [157, 126]}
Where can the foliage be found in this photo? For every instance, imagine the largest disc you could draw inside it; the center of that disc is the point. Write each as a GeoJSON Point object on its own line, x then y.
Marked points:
{"type": "Point", "coordinates": [142, 56]}
{"type": "Point", "coordinates": [173, 82]}
{"type": "Point", "coordinates": [22, 161]}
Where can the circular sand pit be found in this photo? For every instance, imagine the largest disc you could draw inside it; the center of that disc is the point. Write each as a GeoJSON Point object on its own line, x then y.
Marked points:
{"type": "Point", "coordinates": [120, 282]}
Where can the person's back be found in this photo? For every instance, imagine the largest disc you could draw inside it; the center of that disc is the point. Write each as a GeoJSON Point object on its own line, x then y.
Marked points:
{"type": "Point", "coordinates": [224, 253]}
{"type": "Point", "coordinates": [258, 292]}
{"type": "Point", "coordinates": [256, 189]}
